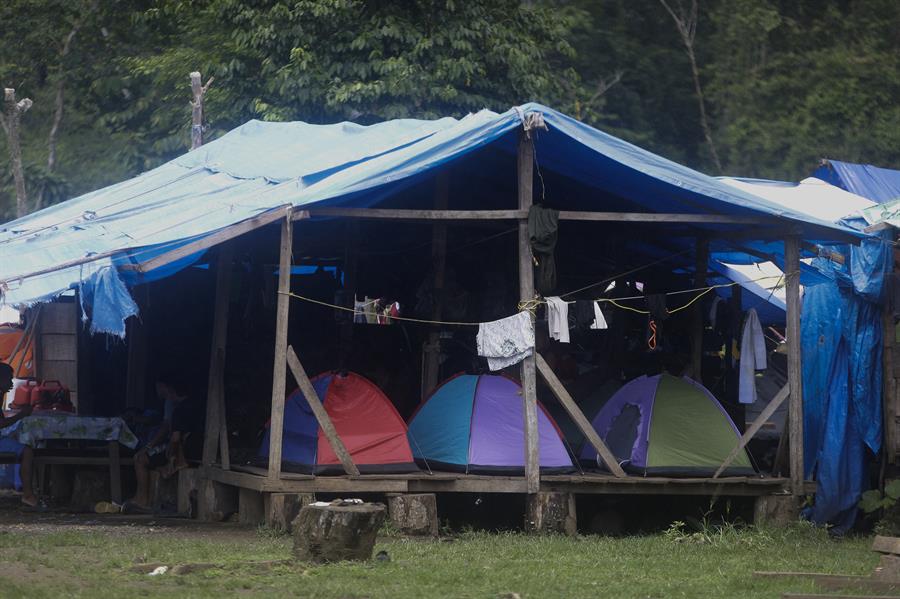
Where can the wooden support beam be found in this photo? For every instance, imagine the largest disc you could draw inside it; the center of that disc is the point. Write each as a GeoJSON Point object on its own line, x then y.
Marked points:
{"type": "Point", "coordinates": [115, 472]}
{"type": "Point", "coordinates": [312, 398]}
{"type": "Point", "coordinates": [215, 393]}
{"type": "Point", "coordinates": [204, 243]}
{"type": "Point", "coordinates": [578, 416]}
{"type": "Point", "coordinates": [439, 263]}
{"type": "Point", "coordinates": [525, 167]}
{"type": "Point", "coordinates": [753, 428]}
{"type": "Point", "coordinates": [702, 259]}
{"type": "Point", "coordinates": [795, 365]}
{"type": "Point", "coordinates": [577, 215]}
{"type": "Point", "coordinates": [136, 337]}
{"type": "Point", "coordinates": [279, 373]}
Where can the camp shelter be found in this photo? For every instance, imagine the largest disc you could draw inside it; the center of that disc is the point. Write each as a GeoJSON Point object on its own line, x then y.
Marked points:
{"type": "Point", "coordinates": [434, 213]}
{"type": "Point", "coordinates": [475, 423]}
{"type": "Point", "coordinates": [879, 184]}
{"type": "Point", "coordinates": [670, 426]}
{"type": "Point", "coordinates": [365, 420]}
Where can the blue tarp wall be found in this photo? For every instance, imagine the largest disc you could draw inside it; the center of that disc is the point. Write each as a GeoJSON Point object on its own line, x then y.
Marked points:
{"type": "Point", "coordinates": [841, 337]}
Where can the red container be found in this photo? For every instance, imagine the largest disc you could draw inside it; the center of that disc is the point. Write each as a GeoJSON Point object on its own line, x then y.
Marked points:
{"type": "Point", "coordinates": [23, 394]}
{"type": "Point", "coordinates": [51, 395]}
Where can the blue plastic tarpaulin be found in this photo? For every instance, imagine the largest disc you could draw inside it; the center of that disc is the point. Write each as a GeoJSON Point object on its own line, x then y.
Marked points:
{"type": "Point", "coordinates": [841, 339]}
{"type": "Point", "coordinates": [263, 167]}
{"type": "Point", "coordinates": [880, 185]}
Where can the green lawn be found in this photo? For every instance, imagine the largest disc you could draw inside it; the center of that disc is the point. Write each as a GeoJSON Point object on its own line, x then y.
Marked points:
{"type": "Point", "coordinates": [82, 562]}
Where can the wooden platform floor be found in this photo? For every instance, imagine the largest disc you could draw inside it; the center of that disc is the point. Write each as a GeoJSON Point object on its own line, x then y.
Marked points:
{"type": "Point", "coordinates": [249, 477]}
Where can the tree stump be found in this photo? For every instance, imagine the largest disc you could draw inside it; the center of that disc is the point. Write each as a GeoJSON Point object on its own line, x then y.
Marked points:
{"type": "Point", "coordinates": [414, 514]}
{"type": "Point", "coordinates": [251, 507]}
{"type": "Point", "coordinates": [551, 512]}
{"type": "Point", "coordinates": [776, 510]}
{"type": "Point", "coordinates": [188, 483]}
{"type": "Point", "coordinates": [282, 508]}
{"type": "Point", "coordinates": [330, 533]}
{"type": "Point", "coordinates": [163, 492]}
{"type": "Point", "coordinates": [216, 501]}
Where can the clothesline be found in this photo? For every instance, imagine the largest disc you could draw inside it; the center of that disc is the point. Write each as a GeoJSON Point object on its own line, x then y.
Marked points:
{"type": "Point", "coordinates": [531, 305]}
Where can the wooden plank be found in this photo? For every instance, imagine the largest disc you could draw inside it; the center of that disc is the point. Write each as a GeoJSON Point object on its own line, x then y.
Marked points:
{"type": "Point", "coordinates": [525, 168]}
{"type": "Point", "coordinates": [312, 398]}
{"type": "Point", "coordinates": [659, 217]}
{"type": "Point", "coordinates": [795, 365]}
{"type": "Point", "coordinates": [215, 394]}
{"type": "Point", "coordinates": [754, 428]}
{"type": "Point", "coordinates": [138, 348]}
{"type": "Point", "coordinates": [115, 472]}
{"type": "Point", "coordinates": [890, 545]}
{"type": "Point", "coordinates": [276, 430]}
{"type": "Point", "coordinates": [578, 416]}
{"type": "Point", "coordinates": [699, 324]}
{"type": "Point", "coordinates": [637, 217]}
{"type": "Point", "coordinates": [439, 262]}
{"type": "Point", "coordinates": [213, 239]}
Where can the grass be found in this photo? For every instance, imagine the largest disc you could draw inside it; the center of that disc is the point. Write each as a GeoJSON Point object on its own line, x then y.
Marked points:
{"type": "Point", "coordinates": [717, 562]}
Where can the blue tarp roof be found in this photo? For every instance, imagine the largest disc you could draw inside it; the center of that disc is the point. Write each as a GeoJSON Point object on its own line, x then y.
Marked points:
{"type": "Point", "coordinates": [261, 167]}
{"type": "Point", "coordinates": [878, 184]}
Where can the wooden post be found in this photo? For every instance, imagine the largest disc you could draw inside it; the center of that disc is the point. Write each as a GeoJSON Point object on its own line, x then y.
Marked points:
{"type": "Point", "coordinates": [578, 416]}
{"type": "Point", "coordinates": [699, 321]}
{"type": "Point", "coordinates": [774, 404]}
{"type": "Point", "coordinates": [439, 260]}
{"type": "Point", "coordinates": [10, 123]}
{"type": "Point", "coordinates": [525, 165]}
{"type": "Point", "coordinates": [795, 366]}
{"type": "Point", "coordinates": [198, 91]}
{"type": "Point", "coordinates": [136, 383]}
{"type": "Point", "coordinates": [115, 472]}
{"type": "Point", "coordinates": [281, 330]}
{"type": "Point", "coordinates": [215, 395]}
{"type": "Point", "coordinates": [312, 398]}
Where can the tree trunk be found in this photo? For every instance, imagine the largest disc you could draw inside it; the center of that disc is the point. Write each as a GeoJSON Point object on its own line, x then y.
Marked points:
{"type": "Point", "coordinates": [14, 112]}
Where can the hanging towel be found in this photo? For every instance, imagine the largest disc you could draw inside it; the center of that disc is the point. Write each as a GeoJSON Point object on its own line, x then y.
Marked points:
{"type": "Point", "coordinates": [599, 319]}
{"type": "Point", "coordinates": [506, 341]}
{"type": "Point", "coordinates": [753, 357]}
{"type": "Point", "coordinates": [558, 319]}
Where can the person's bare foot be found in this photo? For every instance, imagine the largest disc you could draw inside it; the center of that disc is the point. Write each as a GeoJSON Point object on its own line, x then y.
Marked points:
{"type": "Point", "coordinates": [29, 500]}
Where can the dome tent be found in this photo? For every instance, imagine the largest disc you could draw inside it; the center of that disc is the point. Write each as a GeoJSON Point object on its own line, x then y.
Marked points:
{"type": "Point", "coordinates": [364, 418]}
{"type": "Point", "coordinates": [474, 423]}
{"type": "Point", "coordinates": [668, 426]}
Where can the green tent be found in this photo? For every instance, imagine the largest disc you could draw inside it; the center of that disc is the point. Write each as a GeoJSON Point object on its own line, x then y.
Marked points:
{"type": "Point", "coordinates": [668, 426]}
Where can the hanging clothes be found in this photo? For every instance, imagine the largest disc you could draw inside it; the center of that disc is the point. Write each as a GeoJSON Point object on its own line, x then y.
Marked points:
{"type": "Point", "coordinates": [359, 311]}
{"type": "Point", "coordinates": [753, 357]}
{"type": "Point", "coordinates": [558, 319]}
{"type": "Point", "coordinates": [599, 319]}
{"type": "Point", "coordinates": [543, 226]}
{"type": "Point", "coordinates": [584, 315]}
{"type": "Point", "coordinates": [506, 341]}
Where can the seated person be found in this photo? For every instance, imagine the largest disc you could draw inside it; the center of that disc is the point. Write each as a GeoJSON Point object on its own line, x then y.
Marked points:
{"type": "Point", "coordinates": [179, 438]}
{"type": "Point", "coordinates": [8, 445]}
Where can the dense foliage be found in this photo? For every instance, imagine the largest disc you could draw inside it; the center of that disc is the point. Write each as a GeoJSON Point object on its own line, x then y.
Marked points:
{"type": "Point", "coordinates": [785, 82]}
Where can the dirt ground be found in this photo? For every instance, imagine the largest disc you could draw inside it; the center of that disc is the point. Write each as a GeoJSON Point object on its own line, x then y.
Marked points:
{"type": "Point", "coordinates": [14, 517]}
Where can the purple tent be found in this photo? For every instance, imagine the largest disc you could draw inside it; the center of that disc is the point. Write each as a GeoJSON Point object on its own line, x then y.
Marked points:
{"type": "Point", "coordinates": [475, 423]}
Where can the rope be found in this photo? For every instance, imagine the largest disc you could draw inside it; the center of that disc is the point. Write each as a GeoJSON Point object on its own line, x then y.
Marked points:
{"type": "Point", "coordinates": [532, 304]}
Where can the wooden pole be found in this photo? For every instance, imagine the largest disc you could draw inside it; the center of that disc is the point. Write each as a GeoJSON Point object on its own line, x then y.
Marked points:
{"type": "Point", "coordinates": [702, 256]}
{"type": "Point", "coordinates": [795, 366]}
{"type": "Point", "coordinates": [578, 416]}
{"type": "Point", "coordinates": [439, 260]}
{"type": "Point", "coordinates": [10, 123]}
{"type": "Point", "coordinates": [312, 398]}
{"type": "Point", "coordinates": [215, 388]}
{"type": "Point", "coordinates": [526, 293]}
{"type": "Point", "coordinates": [198, 92]}
{"type": "Point", "coordinates": [281, 330]}
{"type": "Point", "coordinates": [753, 428]}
